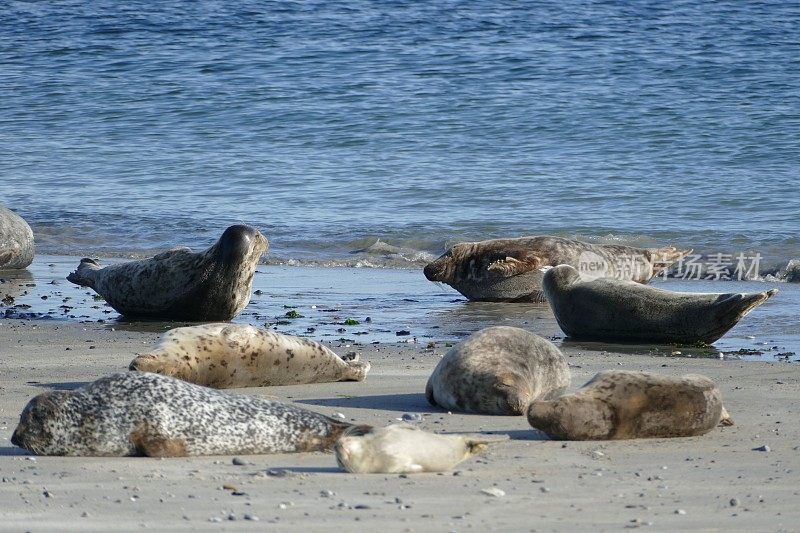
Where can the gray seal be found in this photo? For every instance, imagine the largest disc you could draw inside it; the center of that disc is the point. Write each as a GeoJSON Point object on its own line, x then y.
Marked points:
{"type": "Point", "coordinates": [510, 270]}
{"type": "Point", "coordinates": [139, 413]}
{"type": "Point", "coordinates": [614, 310]}
{"type": "Point", "coordinates": [227, 355]}
{"type": "Point", "coordinates": [632, 405]}
{"type": "Point", "coordinates": [181, 285]}
{"type": "Point", "coordinates": [16, 241]}
{"type": "Point", "coordinates": [498, 371]}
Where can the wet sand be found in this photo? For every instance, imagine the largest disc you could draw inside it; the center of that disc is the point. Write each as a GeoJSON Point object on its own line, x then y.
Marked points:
{"type": "Point", "coordinates": [714, 482]}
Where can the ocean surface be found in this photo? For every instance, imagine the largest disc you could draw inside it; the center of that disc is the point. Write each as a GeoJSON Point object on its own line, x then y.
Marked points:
{"type": "Point", "coordinates": [128, 128]}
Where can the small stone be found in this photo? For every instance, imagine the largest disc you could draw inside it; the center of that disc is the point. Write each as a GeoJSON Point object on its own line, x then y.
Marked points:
{"type": "Point", "coordinates": [238, 461]}
{"type": "Point", "coordinates": [544, 489]}
{"type": "Point", "coordinates": [215, 519]}
{"type": "Point", "coordinates": [676, 352]}
{"type": "Point", "coordinates": [734, 502]}
{"type": "Point", "coordinates": [232, 517]}
{"type": "Point", "coordinates": [279, 472]}
{"type": "Point", "coordinates": [251, 517]}
{"type": "Point", "coordinates": [327, 493]}
{"type": "Point", "coordinates": [764, 448]}
{"type": "Point", "coordinates": [412, 417]}
{"type": "Point", "coordinates": [494, 492]}
{"type": "Point", "coordinates": [339, 415]}
{"type": "Point", "coordinates": [402, 333]}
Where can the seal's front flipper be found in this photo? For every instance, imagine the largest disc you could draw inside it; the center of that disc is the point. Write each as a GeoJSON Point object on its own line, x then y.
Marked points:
{"type": "Point", "coordinates": [149, 442]}
{"type": "Point", "coordinates": [511, 266]}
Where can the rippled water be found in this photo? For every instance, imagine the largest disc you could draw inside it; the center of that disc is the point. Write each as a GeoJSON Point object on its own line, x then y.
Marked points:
{"type": "Point", "coordinates": [131, 127]}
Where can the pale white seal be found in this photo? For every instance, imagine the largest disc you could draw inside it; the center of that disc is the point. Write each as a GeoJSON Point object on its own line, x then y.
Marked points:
{"type": "Point", "coordinates": [234, 355]}
{"type": "Point", "coordinates": [16, 241]}
{"type": "Point", "coordinates": [405, 449]}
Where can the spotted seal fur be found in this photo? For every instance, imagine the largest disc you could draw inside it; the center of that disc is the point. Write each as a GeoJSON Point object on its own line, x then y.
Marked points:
{"type": "Point", "coordinates": [509, 270]}
{"type": "Point", "coordinates": [139, 413]}
{"type": "Point", "coordinates": [632, 405]}
{"type": "Point", "coordinates": [405, 449]}
{"type": "Point", "coordinates": [615, 310]}
{"type": "Point", "coordinates": [180, 285]}
{"type": "Point", "coordinates": [498, 370]}
{"type": "Point", "coordinates": [233, 355]}
{"type": "Point", "coordinates": [16, 241]}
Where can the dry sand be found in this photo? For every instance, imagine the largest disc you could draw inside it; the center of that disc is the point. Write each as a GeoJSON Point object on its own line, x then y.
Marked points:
{"type": "Point", "coordinates": [715, 482]}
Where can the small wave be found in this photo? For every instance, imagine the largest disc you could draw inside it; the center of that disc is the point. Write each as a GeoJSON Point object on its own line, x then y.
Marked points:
{"type": "Point", "coordinates": [790, 272]}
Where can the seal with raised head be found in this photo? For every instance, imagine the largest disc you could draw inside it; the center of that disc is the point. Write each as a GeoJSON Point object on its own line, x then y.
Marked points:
{"type": "Point", "coordinates": [180, 285]}
{"type": "Point", "coordinates": [139, 413]}
{"type": "Point", "coordinates": [618, 404]}
{"type": "Point", "coordinates": [405, 449]}
{"type": "Point", "coordinates": [16, 241]}
{"type": "Point", "coordinates": [510, 270]}
{"type": "Point", "coordinates": [498, 371]}
{"type": "Point", "coordinates": [234, 355]}
{"type": "Point", "coordinates": [614, 310]}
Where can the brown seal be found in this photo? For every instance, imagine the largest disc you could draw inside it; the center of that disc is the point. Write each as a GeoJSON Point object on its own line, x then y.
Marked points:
{"type": "Point", "coordinates": [16, 241]}
{"type": "Point", "coordinates": [139, 413]}
{"type": "Point", "coordinates": [235, 355]}
{"type": "Point", "coordinates": [613, 310]}
{"type": "Point", "coordinates": [498, 371]}
{"type": "Point", "coordinates": [632, 405]}
{"type": "Point", "coordinates": [180, 285]}
{"type": "Point", "coordinates": [509, 270]}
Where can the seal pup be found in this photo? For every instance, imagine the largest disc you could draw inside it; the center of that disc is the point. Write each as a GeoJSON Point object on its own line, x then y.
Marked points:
{"type": "Point", "coordinates": [509, 270]}
{"type": "Point", "coordinates": [498, 371]}
{"type": "Point", "coordinates": [617, 404]}
{"type": "Point", "coordinates": [139, 413]}
{"type": "Point", "coordinates": [616, 310]}
{"type": "Point", "coordinates": [234, 355]}
{"type": "Point", "coordinates": [181, 285]}
{"type": "Point", "coordinates": [405, 449]}
{"type": "Point", "coordinates": [16, 241]}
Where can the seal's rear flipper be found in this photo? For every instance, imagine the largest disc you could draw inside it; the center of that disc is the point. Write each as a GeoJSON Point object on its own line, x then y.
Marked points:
{"type": "Point", "coordinates": [726, 419]}
{"type": "Point", "coordinates": [7, 255]}
{"type": "Point", "coordinates": [84, 274]}
{"type": "Point", "coordinates": [662, 258]}
{"type": "Point", "coordinates": [357, 371]}
{"type": "Point", "coordinates": [480, 443]}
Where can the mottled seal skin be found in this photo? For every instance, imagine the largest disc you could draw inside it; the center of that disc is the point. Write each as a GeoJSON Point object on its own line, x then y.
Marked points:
{"type": "Point", "coordinates": [508, 270]}
{"type": "Point", "coordinates": [139, 413]}
{"type": "Point", "coordinates": [181, 285]}
{"type": "Point", "coordinates": [623, 311]}
{"type": "Point", "coordinates": [16, 241]}
{"type": "Point", "coordinates": [405, 449]}
{"type": "Point", "coordinates": [632, 405]}
{"type": "Point", "coordinates": [233, 355]}
{"type": "Point", "coordinates": [498, 371]}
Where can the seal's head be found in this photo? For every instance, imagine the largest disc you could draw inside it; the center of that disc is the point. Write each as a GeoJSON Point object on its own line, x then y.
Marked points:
{"type": "Point", "coordinates": [560, 276]}
{"type": "Point", "coordinates": [39, 423]}
{"type": "Point", "coordinates": [444, 268]}
{"type": "Point", "coordinates": [573, 417]}
{"type": "Point", "coordinates": [240, 244]}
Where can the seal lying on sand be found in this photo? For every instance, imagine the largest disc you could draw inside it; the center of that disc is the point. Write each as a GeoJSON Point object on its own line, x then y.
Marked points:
{"type": "Point", "coordinates": [615, 310]}
{"type": "Point", "coordinates": [508, 270]}
{"type": "Point", "coordinates": [632, 405]}
{"type": "Point", "coordinates": [181, 285]}
{"type": "Point", "coordinates": [498, 371]}
{"type": "Point", "coordinates": [405, 449]}
{"type": "Point", "coordinates": [16, 241]}
{"type": "Point", "coordinates": [234, 355]}
{"type": "Point", "coordinates": [139, 413]}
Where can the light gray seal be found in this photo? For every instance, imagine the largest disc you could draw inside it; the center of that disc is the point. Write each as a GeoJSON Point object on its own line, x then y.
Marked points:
{"type": "Point", "coordinates": [211, 285]}
{"type": "Point", "coordinates": [498, 371]}
{"type": "Point", "coordinates": [614, 310]}
{"type": "Point", "coordinates": [235, 355]}
{"type": "Point", "coordinates": [405, 449]}
{"type": "Point", "coordinates": [16, 241]}
{"type": "Point", "coordinates": [509, 270]}
{"type": "Point", "coordinates": [632, 405]}
{"type": "Point", "coordinates": [139, 413]}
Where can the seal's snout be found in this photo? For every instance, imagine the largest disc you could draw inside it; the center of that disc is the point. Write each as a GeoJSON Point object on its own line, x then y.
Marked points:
{"type": "Point", "coordinates": [436, 270]}
{"type": "Point", "coordinates": [16, 437]}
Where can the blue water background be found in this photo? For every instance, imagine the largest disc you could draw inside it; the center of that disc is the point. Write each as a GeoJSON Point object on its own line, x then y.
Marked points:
{"type": "Point", "coordinates": [132, 127]}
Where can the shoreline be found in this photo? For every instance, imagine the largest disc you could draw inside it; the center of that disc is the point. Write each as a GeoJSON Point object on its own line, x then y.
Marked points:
{"type": "Point", "coordinates": [548, 485]}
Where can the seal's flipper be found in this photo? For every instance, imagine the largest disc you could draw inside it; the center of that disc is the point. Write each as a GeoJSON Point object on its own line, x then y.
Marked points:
{"type": "Point", "coordinates": [662, 258]}
{"type": "Point", "coordinates": [151, 443]}
{"type": "Point", "coordinates": [511, 266]}
{"type": "Point", "coordinates": [477, 444]}
{"type": "Point", "coordinates": [357, 371]}
{"type": "Point", "coordinates": [84, 274]}
{"type": "Point", "coordinates": [726, 419]}
{"type": "Point", "coordinates": [7, 254]}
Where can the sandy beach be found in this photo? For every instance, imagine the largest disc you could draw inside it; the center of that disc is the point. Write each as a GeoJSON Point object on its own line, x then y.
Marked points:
{"type": "Point", "coordinates": [714, 482]}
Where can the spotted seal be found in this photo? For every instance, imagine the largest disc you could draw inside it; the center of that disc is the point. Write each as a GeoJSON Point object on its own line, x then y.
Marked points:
{"type": "Point", "coordinates": [615, 310]}
{"type": "Point", "coordinates": [234, 355]}
{"type": "Point", "coordinates": [509, 270]}
{"type": "Point", "coordinates": [632, 405]}
{"type": "Point", "coordinates": [405, 449]}
{"type": "Point", "coordinates": [140, 413]}
{"type": "Point", "coordinates": [16, 241]}
{"type": "Point", "coordinates": [181, 285]}
{"type": "Point", "coordinates": [498, 370]}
